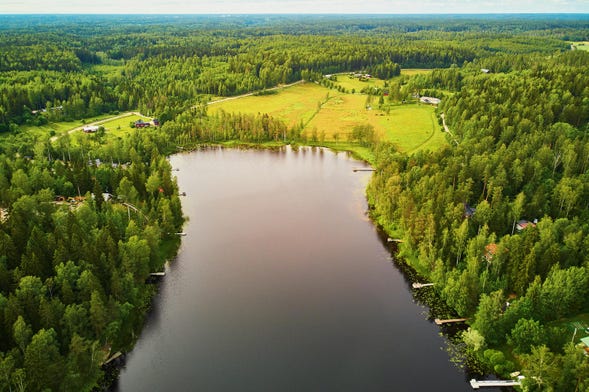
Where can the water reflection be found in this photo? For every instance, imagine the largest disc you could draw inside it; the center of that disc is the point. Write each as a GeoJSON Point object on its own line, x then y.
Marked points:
{"type": "Point", "coordinates": [282, 284]}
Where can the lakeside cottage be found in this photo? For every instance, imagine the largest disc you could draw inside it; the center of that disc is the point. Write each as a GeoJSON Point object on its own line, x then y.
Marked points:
{"type": "Point", "coordinates": [524, 224]}
{"type": "Point", "coordinates": [490, 251]}
{"type": "Point", "coordinates": [141, 124]}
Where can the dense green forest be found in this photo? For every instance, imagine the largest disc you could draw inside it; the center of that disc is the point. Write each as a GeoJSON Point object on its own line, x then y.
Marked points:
{"type": "Point", "coordinates": [87, 218]}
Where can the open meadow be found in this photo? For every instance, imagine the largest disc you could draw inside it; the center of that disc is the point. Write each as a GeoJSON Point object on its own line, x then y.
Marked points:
{"type": "Point", "coordinates": [292, 105]}
{"type": "Point", "coordinates": [581, 45]}
{"type": "Point", "coordinates": [330, 116]}
{"type": "Point", "coordinates": [351, 83]}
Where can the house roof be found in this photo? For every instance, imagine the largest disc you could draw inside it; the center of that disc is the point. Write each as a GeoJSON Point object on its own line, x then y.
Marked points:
{"type": "Point", "coordinates": [490, 251]}
{"type": "Point", "coordinates": [491, 248]}
{"type": "Point", "coordinates": [468, 210]}
{"type": "Point", "coordinates": [432, 100]}
{"type": "Point", "coordinates": [522, 224]}
{"type": "Point", "coordinates": [585, 341]}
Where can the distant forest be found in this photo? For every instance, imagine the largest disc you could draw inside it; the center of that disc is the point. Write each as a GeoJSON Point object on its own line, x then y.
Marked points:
{"type": "Point", "coordinates": [497, 219]}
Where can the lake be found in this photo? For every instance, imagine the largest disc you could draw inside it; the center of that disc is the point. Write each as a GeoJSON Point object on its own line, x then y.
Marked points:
{"type": "Point", "coordinates": [283, 284]}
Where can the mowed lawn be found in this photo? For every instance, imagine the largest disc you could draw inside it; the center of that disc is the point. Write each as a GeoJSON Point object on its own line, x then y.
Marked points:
{"type": "Point", "coordinates": [413, 127]}
{"type": "Point", "coordinates": [332, 117]}
{"type": "Point", "coordinates": [122, 125]}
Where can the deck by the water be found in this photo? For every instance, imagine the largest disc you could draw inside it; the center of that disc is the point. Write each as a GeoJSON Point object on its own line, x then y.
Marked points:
{"type": "Point", "coordinates": [456, 320]}
{"type": "Point", "coordinates": [418, 285]}
{"type": "Point", "coordinates": [475, 384]}
{"type": "Point", "coordinates": [114, 357]}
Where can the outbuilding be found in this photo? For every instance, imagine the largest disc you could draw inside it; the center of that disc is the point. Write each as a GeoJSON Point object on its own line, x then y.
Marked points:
{"type": "Point", "coordinates": [90, 129]}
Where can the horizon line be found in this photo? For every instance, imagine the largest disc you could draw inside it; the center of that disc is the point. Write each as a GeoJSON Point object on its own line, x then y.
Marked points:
{"type": "Point", "coordinates": [290, 13]}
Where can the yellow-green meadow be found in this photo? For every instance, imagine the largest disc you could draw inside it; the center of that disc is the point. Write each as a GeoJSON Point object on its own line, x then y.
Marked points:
{"type": "Point", "coordinates": [330, 116]}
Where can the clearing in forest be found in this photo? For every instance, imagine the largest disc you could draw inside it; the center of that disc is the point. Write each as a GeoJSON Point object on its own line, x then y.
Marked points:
{"type": "Point", "coordinates": [581, 45]}
{"type": "Point", "coordinates": [292, 105]}
{"type": "Point", "coordinates": [329, 115]}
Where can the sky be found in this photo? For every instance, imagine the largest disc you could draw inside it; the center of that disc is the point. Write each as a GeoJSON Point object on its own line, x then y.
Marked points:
{"type": "Point", "coordinates": [290, 6]}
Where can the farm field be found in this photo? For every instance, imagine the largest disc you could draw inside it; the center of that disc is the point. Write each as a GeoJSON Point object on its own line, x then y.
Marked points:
{"type": "Point", "coordinates": [292, 105]}
{"type": "Point", "coordinates": [414, 71]}
{"type": "Point", "coordinates": [122, 125]}
{"type": "Point", "coordinates": [329, 115]}
{"type": "Point", "coordinates": [581, 45]}
{"type": "Point", "coordinates": [114, 125]}
{"type": "Point", "coordinates": [59, 128]}
{"type": "Point", "coordinates": [413, 127]}
{"type": "Point", "coordinates": [351, 83]}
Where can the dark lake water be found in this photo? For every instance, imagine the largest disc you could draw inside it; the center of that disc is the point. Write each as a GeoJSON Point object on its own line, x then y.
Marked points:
{"type": "Point", "coordinates": [282, 284]}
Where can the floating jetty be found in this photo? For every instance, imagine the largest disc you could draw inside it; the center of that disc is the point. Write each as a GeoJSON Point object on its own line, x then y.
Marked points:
{"type": "Point", "coordinates": [114, 357]}
{"type": "Point", "coordinates": [357, 170]}
{"type": "Point", "coordinates": [456, 320]}
{"type": "Point", "coordinates": [155, 277]}
{"type": "Point", "coordinates": [397, 240]}
{"type": "Point", "coordinates": [475, 384]}
{"type": "Point", "coordinates": [418, 285]}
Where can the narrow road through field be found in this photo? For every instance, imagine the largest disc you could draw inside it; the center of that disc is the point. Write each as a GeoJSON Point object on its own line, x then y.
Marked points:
{"type": "Point", "coordinates": [252, 93]}
{"type": "Point", "coordinates": [126, 114]}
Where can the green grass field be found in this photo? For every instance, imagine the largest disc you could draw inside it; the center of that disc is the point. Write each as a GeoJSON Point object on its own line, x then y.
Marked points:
{"type": "Point", "coordinates": [122, 125]}
{"type": "Point", "coordinates": [114, 125]}
{"type": "Point", "coordinates": [330, 116]}
{"type": "Point", "coordinates": [581, 45]}
{"type": "Point", "coordinates": [351, 83]}
{"type": "Point", "coordinates": [60, 127]}
{"type": "Point", "coordinates": [292, 105]}
{"type": "Point", "coordinates": [414, 71]}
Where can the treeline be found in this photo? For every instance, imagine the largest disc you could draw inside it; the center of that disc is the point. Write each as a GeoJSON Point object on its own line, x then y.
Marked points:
{"type": "Point", "coordinates": [195, 127]}
{"type": "Point", "coordinates": [39, 97]}
{"type": "Point", "coordinates": [77, 243]}
{"type": "Point", "coordinates": [497, 220]}
{"type": "Point", "coordinates": [84, 220]}
{"type": "Point", "coordinates": [163, 67]}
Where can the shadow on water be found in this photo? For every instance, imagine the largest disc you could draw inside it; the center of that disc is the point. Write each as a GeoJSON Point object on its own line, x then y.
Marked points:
{"type": "Point", "coordinates": [436, 308]}
{"type": "Point", "coordinates": [282, 284]}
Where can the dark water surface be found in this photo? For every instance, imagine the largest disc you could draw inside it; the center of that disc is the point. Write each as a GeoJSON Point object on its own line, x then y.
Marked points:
{"type": "Point", "coordinates": [282, 284]}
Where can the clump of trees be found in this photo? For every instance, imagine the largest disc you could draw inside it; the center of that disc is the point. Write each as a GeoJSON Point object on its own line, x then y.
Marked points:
{"type": "Point", "coordinates": [73, 269]}
{"type": "Point", "coordinates": [497, 220]}
{"type": "Point", "coordinates": [72, 274]}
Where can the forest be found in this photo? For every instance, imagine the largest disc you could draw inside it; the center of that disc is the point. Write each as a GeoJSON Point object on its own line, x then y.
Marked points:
{"type": "Point", "coordinates": [497, 218]}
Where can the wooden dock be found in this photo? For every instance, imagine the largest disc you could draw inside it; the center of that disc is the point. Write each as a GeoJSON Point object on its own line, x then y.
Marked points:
{"type": "Point", "coordinates": [456, 320]}
{"type": "Point", "coordinates": [155, 277]}
{"type": "Point", "coordinates": [418, 285]}
{"type": "Point", "coordinates": [361, 170]}
{"type": "Point", "coordinates": [397, 240]}
{"type": "Point", "coordinates": [115, 356]}
{"type": "Point", "coordinates": [494, 383]}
